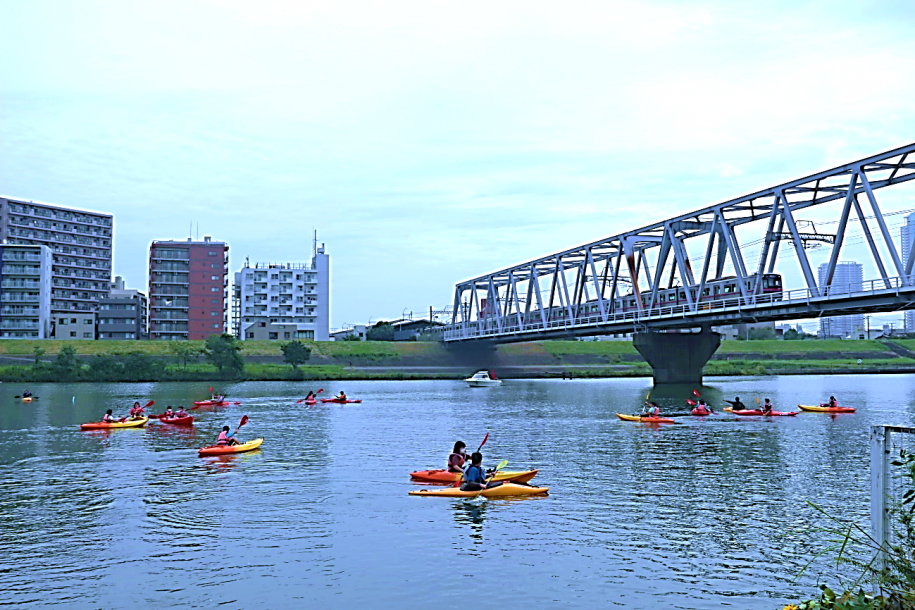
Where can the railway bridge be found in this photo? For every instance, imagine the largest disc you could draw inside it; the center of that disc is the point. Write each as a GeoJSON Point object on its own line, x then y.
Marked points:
{"type": "Point", "coordinates": [643, 281]}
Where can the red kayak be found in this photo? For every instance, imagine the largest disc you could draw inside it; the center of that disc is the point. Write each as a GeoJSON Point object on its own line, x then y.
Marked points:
{"type": "Point", "coordinates": [211, 403]}
{"type": "Point", "coordinates": [700, 412]}
{"type": "Point", "coordinates": [761, 412]}
{"type": "Point", "coordinates": [178, 421]}
{"type": "Point", "coordinates": [311, 401]}
{"type": "Point", "coordinates": [340, 401]}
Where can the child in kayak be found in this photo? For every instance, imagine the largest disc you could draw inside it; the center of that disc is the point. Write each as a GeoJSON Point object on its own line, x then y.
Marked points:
{"type": "Point", "coordinates": [26, 394]}
{"type": "Point", "coordinates": [181, 412]}
{"type": "Point", "coordinates": [136, 411]}
{"type": "Point", "coordinates": [168, 412]}
{"type": "Point", "coordinates": [457, 458]}
{"type": "Point", "coordinates": [736, 405]}
{"type": "Point", "coordinates": [833, 403]}
{"type": "Point", "coordinates": [108, 418]}
{"type": "Point", "coordinates": [767, 406]}
{"type": "Point", "coordinates": [475, 478]}
{"type": "Point", "coordinates": [225, 438]}
{"type": "Point", "coordinates": [702, 406]}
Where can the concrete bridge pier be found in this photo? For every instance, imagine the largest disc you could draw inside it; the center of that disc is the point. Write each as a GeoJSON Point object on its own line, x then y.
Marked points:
{"type": "Point", "coordinates": [677, 357]}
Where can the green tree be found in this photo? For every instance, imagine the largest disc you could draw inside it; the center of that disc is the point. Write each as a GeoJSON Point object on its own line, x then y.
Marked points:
{"type": "Point", "coordinates": [222, 351]}
{"type": "Point", "coordinates": [383, 331]}
{"type": "Point", "coordinates": [793, 335]}
{"type": "Point", "coordinates": [185, 352]}
{"type": "Point", "coordinates": [67, 365]}
{"type": "Point", "coordinates": [296, 353]}
{"type": "Point", "coordinates": [38, 353]}
{"type": "Point", "coordinates": [352, 337]}
{"type": "Point", "coordinates": [762, 334]}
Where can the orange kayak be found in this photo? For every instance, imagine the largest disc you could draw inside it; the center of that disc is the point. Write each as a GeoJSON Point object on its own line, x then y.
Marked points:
{"type": "Point", "coordinates": [645, 420]}
{"type": "Point", "coordinates": [443, 476]}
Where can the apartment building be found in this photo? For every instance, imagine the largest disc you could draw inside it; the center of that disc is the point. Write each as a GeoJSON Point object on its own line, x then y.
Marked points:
{"type": "Point", "coordinates": [122, 315]}
{"type": "Point", "coordinates": [25, 291]}
{"type": "Point", "coordinates": [80, 243]}
{"type": "Point", "coordinates": [188, 289]}
{"type": "Point", "coordinates": [848, 276]}
{"type": "Point", "coordinates": [79, 325]}
{"type": "Point", "coordinates": [284, 300]}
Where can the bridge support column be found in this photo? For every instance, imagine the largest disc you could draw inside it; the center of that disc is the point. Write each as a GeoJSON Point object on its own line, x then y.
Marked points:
{"type": "Point", "coordinates": [677, 357]}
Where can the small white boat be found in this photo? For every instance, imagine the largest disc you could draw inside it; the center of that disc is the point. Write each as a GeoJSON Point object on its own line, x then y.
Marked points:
{"type": "Point", "coordinates": [482, 379]}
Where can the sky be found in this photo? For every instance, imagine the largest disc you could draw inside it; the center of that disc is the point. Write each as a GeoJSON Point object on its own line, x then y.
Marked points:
{"type": "Point", "coordinates": [429, 142]}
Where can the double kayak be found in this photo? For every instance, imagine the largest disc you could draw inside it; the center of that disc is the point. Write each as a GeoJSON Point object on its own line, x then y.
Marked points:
{"type": "Point", "coordinates": [178, 421]}
{"type": "Point", "coordinates": [761, 412]}
{"type": "Point", "coordinates": [700, 412]}
{"type": "Point", "coordinates": [211, 403]}
{"type": "Point", "coordinates": [121, 424]}
{"type": "Point", "coordinates": [825, 409]}
{"type": "Point", "coordinates": [229, 449]}
{"type": "Point", "coordinates": [443, 476]}
{"type": "Point", "coordinates": [342, 401]}
{"type": "Point", "coordinates": [645, 420]}
{"type": "Point", "coordinates": [505, 490]}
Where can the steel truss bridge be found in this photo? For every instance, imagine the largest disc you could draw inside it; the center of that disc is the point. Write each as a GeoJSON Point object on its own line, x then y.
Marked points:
{"type": "Point", "coordinates": [586, 283]}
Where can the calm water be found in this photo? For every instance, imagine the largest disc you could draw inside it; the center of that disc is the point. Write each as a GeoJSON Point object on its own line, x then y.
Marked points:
{"type": "Point", "coordinates": [699, 514]}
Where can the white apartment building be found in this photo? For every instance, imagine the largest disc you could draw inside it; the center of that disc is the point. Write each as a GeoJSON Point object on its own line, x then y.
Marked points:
{"type": "Point", "coordinates": [25, 291]}
{"type": "Point", "coordinates": [80, 242]}
{"type": "Point", "coordinates": [849, 276]}
{"type": "Point", "coordinates": [906, 235]}
{"type": "Point", "coordinates": [283, 301]}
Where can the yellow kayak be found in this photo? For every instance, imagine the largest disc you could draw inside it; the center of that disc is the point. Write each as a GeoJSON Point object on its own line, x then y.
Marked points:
{"type": "Point", "coordinates": [822, 409]}
{"type": "Point", "coordinates": [26, 399]}
{"type": "Point", "coordinates": [100, 425]}
{"type": "Point", "coordinates": [645, 420]}
{"type": "Point", "coordinates": [505, 490]}
{"type": "Point", "coordinates": [230, 449]}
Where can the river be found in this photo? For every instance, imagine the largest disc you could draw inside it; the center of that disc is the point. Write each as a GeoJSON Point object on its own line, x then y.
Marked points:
{"type": "Point", "coordinates": [706, 513]}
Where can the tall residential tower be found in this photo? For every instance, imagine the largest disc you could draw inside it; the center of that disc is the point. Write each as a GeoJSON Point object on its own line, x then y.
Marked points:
{"type": "Point", "coordinates": [848, 277]}
{"type": "Point", "coordinates": [188, 289]}
{"type": "Point", "coordinates": [906, 235]}
{"type": "Point", "coordinates": [80, 243]}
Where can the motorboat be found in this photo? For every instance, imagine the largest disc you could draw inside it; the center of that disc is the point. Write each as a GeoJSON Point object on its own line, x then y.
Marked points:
{"type": "Point", "coordinates": [481, 379]}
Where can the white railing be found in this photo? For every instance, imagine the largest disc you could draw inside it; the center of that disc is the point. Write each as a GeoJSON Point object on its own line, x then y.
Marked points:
{"type": "Point", "coordinates": [737, 305]}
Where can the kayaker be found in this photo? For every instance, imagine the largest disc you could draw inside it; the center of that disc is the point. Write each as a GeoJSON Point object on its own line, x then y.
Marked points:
{"type": "Point", "coordinates": [26, 394]}
{"type": "Point", "coordinates": [340, 396]}
{"type": "Point", "coordinates": [108, 418]}
{"type": "Point", "coordinates": [225, 438]}
{"type": "Point", "coordinates": [474, 477]}
{"type": "Point", "coordinates": [136, 411]}
{"type": "Point", "coordinates": [311, 396]}
{"type": "Point", "coordinates": [767, 406]}
{"type": "Point", "coordinates": [702, 406]}
{"type": "Point", "coordinates": [457, 458]}
{"type": "Point", "coordinates": [181, 412]}
{"type": "Point", "coordinates": [168, 412]}
{"type": "Point", "coordinates": [833, 403]}
{"type": "Point", "coordinates": [653, 410]}
{"type": "Point", "coordinates": [736, 405]}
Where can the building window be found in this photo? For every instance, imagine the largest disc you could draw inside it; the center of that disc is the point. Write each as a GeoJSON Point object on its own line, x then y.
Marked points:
{"type": "Point", "coordinates": [72, 320]}
{"type": "Point", "coordinates": [211, 253]}
{"type": "Point", "coordinates": [285, 335]}
{"type": "Point", "coordinates": [214, 313]}
{"type": "Point", "coordinates": [214, 289]}
{"type": "Point", "coordinates": [249, 335]}
{"type": "Point", "coordinates": [214, 277]}
{"type": "Point", "coordinates": [63, 321]}
{"type": "Point", "coordinates": [262, 325]}
{"type": "Point", "coordinates": [72, 333]}
{"type": "Point", "coordinates": [216, 326]}
{"type": "Point", "coordinates": [87, 335]}
{"type": "Point", "coordinates": [87, 321]}
{"type": "Point", "coordinates": [273, 335]}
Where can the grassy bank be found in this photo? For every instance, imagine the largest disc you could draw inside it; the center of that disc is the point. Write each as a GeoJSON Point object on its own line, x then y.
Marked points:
{"type": "Point", "coordinates": [155, 361]}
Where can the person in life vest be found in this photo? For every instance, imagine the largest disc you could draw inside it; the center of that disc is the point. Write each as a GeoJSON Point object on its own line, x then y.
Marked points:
{"type": "Point", "coordinates": [340, 396]}
{"type": "Point", "coordinates": [136, 411]}
{"type": "Point", "coordinates": [182, 412]}
{"type": "Point", "coordinates": [833, 403]}
{"type": "Point", "coordinates": [767, 406]}
{"type": "Point", "coordinates": [736, 405]}
{"type": "Point", "coordinates": [475, 477]}
{"type": "Point", "coordinates": [653, 410]}
{"type": "Point", "coordinates": [702, 406]}
{"type": "Point", "coordinates": [108, 418]}
{"type": "Point", "coordinates": [457, 458]}
{"type": "Point", "coordinates": [26, 394]}
{"type": "Point", "coordinates": [226, 438]}
{"type": "Point", "coordinates": [168, 412]}
{"type": "Point", "coordinates": [311, 396]}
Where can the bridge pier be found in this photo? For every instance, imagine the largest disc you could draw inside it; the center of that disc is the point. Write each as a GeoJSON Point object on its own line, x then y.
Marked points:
{"type": "Point", "coordinates": [677, 357]}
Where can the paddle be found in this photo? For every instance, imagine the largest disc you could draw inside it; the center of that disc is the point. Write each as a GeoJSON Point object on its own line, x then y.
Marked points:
{"type": "Point", "coordinates": [485, 438]}
{"type": "Point", "coordinates": [304, 399]}
{"type": "Point", "coordinates": [498, 467]}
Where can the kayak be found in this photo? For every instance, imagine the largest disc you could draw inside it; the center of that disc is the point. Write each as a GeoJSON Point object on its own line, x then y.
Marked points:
{"type": "Point", "coordinates": [443, 476]}
{"type": "Point", "coordinates": [100, 425]}
{"type": "Point", "coordinates": [645, 420]}
{"type": "Point", "coordinates": [822, 409]}
{"type": "Point", "coordinates": [340, 401]}
{"type": "Point", "coordinates": [761, 412]}
{"type": "Point", "coordinates": [211, 403]}
{"type": "Point", "coordinates": [311, 401]}
{"type": "Point", "coordinates": [26, 399]}
{"type": "Point", "coordinates": [700, 412]}
{"type": "Point", "coordinates": [178, 421]}
{"type": "Point", "coordinates": [505, 490]}
{"type": "Point", "coordinates": [227, 449]}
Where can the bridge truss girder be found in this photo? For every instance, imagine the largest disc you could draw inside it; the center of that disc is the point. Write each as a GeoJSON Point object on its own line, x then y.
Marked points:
{"type": "Point", "coordinates": [599, 270]}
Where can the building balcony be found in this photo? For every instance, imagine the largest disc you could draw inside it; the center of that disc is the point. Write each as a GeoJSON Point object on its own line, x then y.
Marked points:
{"type": "Point", "coordinates": [18, 325]}
{"type": "Point", "coordinates": [18, 270]}
{"type": "Point", "coordinates": [13, 297]}
{"type": "Point", "coordinates": [20, 284]}
{"type": "Point", "coordinates": [24, 258]}
{"type": "Point", "coordinates": [31, 313]}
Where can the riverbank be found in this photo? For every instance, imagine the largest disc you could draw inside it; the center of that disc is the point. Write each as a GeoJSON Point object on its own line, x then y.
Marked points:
{"type": "Point", "coordinates": [158, 360]}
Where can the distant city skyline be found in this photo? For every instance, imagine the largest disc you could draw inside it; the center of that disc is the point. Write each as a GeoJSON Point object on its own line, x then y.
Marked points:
{"type": "Point", "coordinates": [431, 143]}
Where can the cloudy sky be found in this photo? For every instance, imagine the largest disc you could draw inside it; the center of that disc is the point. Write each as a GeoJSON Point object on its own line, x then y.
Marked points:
{"type": "Point", "coordinates": [429, 142]}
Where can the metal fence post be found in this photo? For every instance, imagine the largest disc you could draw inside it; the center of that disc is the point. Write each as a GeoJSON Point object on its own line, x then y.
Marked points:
{"type": "Point", "coordinates": [880, 464]}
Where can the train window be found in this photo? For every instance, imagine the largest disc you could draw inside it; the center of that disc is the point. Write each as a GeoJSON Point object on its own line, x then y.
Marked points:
{"type": "Point", "coordinates": [705, 292]}
{"type": "Point", "coordinates": [717, 289]}
{"type": "Point", "coordinates": [683, 295]}
{"type": "Point", "coordinates": [728, 289]}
